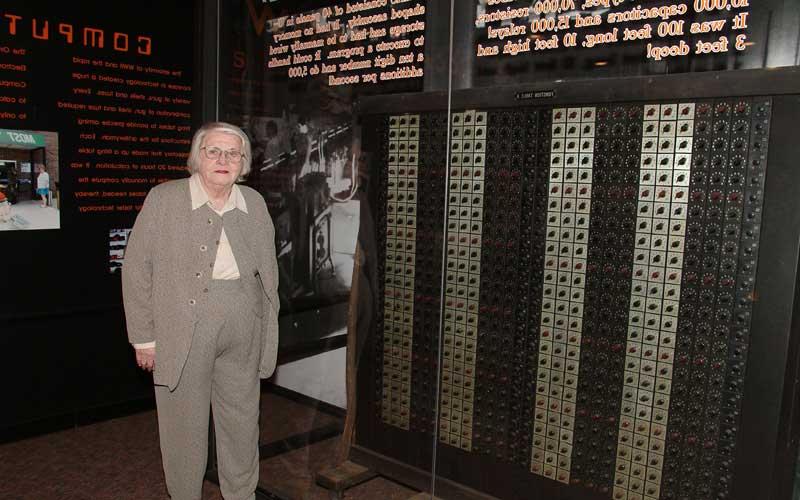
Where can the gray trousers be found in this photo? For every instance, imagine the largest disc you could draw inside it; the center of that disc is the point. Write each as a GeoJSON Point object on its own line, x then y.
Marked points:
{"type": "Point", "coordinates": [221, 372]}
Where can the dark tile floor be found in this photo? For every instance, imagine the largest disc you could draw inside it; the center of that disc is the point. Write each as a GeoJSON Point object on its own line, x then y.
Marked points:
{"type": "Point", "coordinates": [119, 459]}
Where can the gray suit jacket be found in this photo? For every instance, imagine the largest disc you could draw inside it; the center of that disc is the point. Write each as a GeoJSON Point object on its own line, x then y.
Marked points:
{"type": "Point", "coordinates": [167, 269]}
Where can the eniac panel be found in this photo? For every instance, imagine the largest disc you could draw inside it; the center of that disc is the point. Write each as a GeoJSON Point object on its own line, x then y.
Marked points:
{"type": "Point", "coordinates": [589, 297]}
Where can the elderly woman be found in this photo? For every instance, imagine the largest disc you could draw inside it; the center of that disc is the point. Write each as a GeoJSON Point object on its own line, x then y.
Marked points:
{"type": "Point", "coordinates": [200, 286]}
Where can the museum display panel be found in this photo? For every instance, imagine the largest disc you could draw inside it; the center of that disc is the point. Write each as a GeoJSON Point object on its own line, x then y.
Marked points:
{"type": "Point", "coordinates": [95, 111]}
{"type": "Point", "coordinates": [604, 332]}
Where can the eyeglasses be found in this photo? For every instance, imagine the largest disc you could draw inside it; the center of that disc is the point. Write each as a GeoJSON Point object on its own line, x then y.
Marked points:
{"type": "Point", "coordinates": [214, 153]}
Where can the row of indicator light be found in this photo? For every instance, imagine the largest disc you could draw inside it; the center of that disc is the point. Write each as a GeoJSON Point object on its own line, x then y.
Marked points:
{"type": "Point", "coordinates": [401, 207]}
{"type": "Point", "coordinates": [561, 323]}
{"type": "Point", "coordinates": [462, 274]}
{"type": "Point", "coordinates": [655, 301]}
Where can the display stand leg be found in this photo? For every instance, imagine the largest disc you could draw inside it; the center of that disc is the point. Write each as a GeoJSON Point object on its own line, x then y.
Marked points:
{"type": "Point", "coordinates": [351, 368]}
{"type": "Point", "coordinates": [348, 474]}
{"type": "Point", "coordinates": [423, 496]}
{"type": "Point", "coordinates": [342, 477]}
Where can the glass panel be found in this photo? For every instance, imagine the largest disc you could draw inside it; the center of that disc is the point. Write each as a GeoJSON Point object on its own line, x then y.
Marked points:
{"type": "Point", "coordinates": [527, 41]}
{"type": "Point", "coordinates": [605, 246]}
{"type": "Point", "coordinates": [552, 283]}
{"type": "Point", "coordinates": [343, 186]}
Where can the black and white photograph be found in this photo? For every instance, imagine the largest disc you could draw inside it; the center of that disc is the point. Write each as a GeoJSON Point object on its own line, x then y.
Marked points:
{"type": "Point", "coordinates": [117, 241]}
{"type": "Point", "coordinates": [307, 171]}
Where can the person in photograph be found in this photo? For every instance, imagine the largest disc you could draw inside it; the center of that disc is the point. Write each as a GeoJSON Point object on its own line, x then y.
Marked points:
{"type": "Point", "coordinates": [42, 184]}
{"type": "Point", "coordinates": [5, 208]}
{"type": "Point", "coordinates": [199, 282]}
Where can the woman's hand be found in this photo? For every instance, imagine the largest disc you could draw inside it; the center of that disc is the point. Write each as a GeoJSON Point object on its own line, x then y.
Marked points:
{"type": "Point", "coordinates": [146, 358]}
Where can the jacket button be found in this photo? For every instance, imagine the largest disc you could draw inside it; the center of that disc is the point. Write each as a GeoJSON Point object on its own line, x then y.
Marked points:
{"type": "Point", "coordinates": [192, 302]}
{"type": "Point", "coordinates": [197, 275]}
{"type": "Point", "coordinates": [210, 221]}
{"type": "Point", "coordinates": [203, 248]}
{"type": "Point", "coordinates": [205, 290]}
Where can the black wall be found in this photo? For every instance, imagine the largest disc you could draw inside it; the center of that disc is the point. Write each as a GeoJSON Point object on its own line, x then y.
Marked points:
{"type": "Point", "coordinates": [67, 358]}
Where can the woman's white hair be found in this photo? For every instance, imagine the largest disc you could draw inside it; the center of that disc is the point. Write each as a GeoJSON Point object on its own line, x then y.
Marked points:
{"type": "Point", "coordinates": [199, 137]}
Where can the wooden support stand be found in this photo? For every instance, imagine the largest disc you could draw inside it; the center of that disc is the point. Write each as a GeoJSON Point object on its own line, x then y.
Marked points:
{"type": "Point", "coordinates": [341, 477]}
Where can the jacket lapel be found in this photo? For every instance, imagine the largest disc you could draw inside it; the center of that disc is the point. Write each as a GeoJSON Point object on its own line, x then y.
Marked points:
{"type": "Point", "coordinates": [236, 229]}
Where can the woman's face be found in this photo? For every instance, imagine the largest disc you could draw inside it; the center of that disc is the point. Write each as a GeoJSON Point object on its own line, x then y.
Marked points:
{"type": "Point", "coordinates": [222, 172]}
